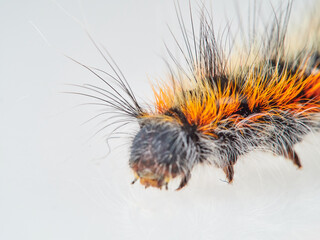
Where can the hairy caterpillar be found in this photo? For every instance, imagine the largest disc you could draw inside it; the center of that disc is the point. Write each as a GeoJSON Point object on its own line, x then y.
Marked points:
{"type": "Point", "coordinates": [219, 108]}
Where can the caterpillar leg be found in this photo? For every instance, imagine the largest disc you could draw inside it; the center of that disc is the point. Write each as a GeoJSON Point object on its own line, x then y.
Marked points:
{"type": "Point", "coordinates": [293, 156]}
{"type": "Point", "coordinates": [229, 171]}
{"type": "Point", "coordinates": [288, 152]}
{"type": "Point", "coordinates": [185, 179]}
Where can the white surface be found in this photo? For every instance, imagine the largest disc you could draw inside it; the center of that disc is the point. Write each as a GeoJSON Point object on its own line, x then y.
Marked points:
{"type": "Point", "coordinates": [57, 184]}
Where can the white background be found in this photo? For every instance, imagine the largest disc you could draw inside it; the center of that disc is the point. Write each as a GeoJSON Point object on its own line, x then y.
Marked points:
{"type": "Point", "coordinates": [56, 182]}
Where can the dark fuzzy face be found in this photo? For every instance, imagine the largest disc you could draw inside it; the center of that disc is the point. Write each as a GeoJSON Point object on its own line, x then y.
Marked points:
{"type": "Point", "coordinates": [162, 150]}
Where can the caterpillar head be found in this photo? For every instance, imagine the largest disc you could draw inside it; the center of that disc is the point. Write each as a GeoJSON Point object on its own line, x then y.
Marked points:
{"type": "Point", "coordinates": [163, 150]}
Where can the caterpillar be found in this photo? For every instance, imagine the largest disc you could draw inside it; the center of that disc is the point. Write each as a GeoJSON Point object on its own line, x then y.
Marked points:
{"type": "Point", "coordinates": [220, 107]}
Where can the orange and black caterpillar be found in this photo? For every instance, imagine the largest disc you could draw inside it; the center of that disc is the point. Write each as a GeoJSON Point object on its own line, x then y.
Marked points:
{"type": "Point", "coordinates": [218, 109]}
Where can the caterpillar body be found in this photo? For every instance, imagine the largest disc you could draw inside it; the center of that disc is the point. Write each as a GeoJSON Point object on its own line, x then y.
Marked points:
{"type": "Point", "coordinates": [217, 109]}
